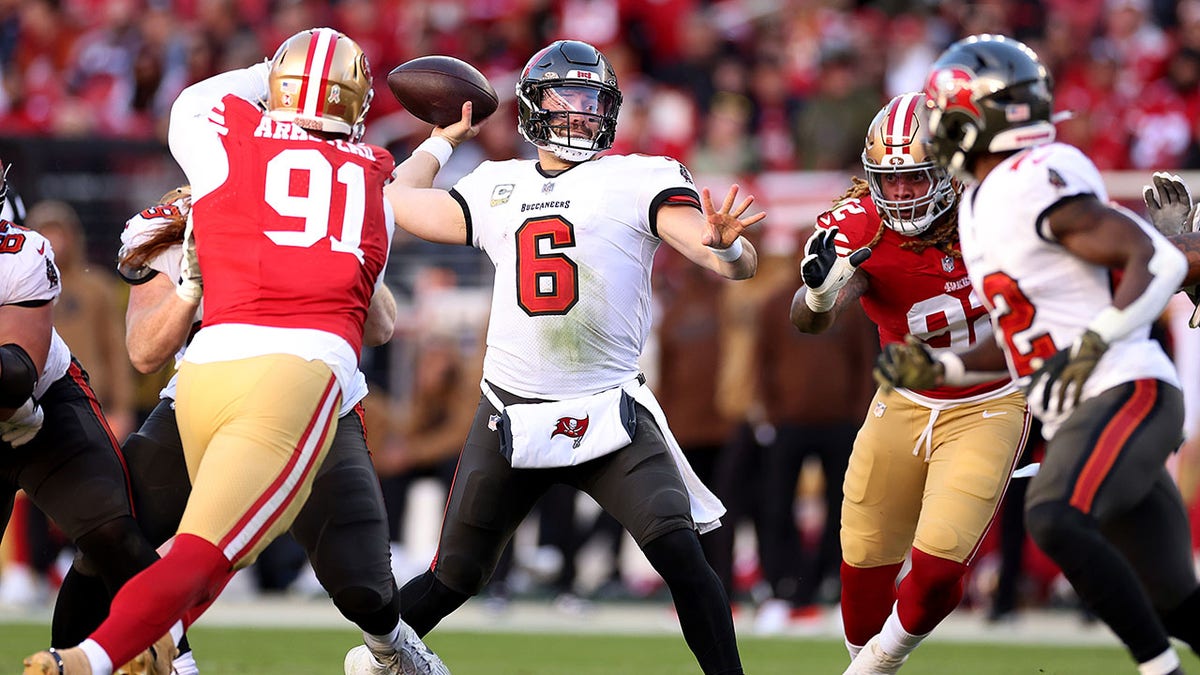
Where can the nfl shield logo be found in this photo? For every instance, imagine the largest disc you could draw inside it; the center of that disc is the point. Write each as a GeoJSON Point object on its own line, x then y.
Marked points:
{"type": "Point", "coordinates": [948, 264]}
{"type": "Point", "coordinates": [547, 188]}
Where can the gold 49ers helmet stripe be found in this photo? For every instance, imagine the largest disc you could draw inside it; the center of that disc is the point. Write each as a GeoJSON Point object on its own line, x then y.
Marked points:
{"type": "Point", "coordinates": [316, 67]}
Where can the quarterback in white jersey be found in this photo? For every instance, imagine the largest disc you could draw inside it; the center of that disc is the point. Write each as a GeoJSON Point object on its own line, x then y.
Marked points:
{"type": "Point", "coordinates": [1072, 285]}
{"type": "Point", "coordinates": [573, 237]}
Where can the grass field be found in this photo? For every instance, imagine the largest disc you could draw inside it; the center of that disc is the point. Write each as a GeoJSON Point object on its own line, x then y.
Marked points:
{"type": "Point", "coordinates": [241, 651]}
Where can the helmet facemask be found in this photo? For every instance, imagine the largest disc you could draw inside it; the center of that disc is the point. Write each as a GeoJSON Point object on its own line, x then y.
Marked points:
{"type": "Point", "coordinates": [897, 150]}
{"type": "Point", "coordinates": [568, 101]}
{"type": "Point", "coordinates": [574, 121]}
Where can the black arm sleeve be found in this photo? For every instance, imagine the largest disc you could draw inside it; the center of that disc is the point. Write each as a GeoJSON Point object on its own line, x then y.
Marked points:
{"type": "Point", "coordinates": [18, 376]}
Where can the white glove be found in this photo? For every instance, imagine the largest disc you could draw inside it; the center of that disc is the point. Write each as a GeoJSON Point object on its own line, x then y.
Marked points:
{"type": "Point", "coordinates": [824, 271]}
{"type": "Point", "coordinates": [24, 424]}
{"type": "Point", "coordinates": [191, 286]}
{"type": "Point", "coordinates": [1169, 204]}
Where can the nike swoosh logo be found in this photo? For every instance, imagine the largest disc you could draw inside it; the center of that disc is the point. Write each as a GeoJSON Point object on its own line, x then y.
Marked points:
{"type": "Point", "coordinates": [987, 414]}
{"type": "Point", "coordinates": [42, 248]}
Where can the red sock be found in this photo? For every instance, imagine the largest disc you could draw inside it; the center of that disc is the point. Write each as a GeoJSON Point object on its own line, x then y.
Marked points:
{"type": "Point", "coordinates": [867, 597]}
{"type": "Point", "coordinates": [929, 592]}
{"type": "Point", "coordinates": [148, 605]}
{"type": "Point", "coordinates": [194, 613]}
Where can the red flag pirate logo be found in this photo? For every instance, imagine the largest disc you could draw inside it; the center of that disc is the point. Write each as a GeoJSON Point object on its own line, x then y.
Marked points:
{"type": "Point", "coordinates": [952, 88]}
{"type": "Point", "coordinates": [571, 427]}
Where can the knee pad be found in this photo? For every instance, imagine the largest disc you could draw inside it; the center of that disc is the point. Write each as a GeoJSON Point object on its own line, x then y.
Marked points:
{"type": "Point", "coordinates": [464, 573]}
{"type": "Point", "coordinates": [1054, 524]}
{"type": "Point", "coordinates": [116, 551]}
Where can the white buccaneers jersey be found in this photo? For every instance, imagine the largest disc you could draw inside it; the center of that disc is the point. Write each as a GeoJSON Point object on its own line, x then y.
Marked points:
{"type": "Point", "coordinates": [168, 262]}
{"type": "Point", "coordinates": [1040, 296]}
{"type": "Point", "coordinates": [573, 253]}
{"type": "Point", "coordinates": [29, 277]}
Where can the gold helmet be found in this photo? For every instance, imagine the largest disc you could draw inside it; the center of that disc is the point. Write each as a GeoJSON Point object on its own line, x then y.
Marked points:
{"type": "Point", "coordinates": [320, 80]}
{"type": "Point", "coordinates": [898, 143]}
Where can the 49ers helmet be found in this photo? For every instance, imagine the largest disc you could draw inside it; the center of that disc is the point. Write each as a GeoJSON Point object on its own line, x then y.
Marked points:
{"type": "Point", "coordinates": [320, 80]}
{"type": "Point", "coordinates": [568, 100]}
{"type": "Point", "coordinates": [987, 93]}
{"type": "Point", "coordinates": [898, 144]}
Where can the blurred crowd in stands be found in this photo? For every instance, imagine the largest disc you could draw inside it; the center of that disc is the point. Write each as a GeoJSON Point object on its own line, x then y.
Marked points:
{"type": "Point", "coordinates": [730, 87]}
{"type": "Point", "coordinates": [733, 86]}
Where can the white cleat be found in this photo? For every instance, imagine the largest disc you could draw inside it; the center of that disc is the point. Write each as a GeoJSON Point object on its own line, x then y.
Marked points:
{"type": "Point", "coordinates": [410, 657]}
{"type": "Point", "coordinates": [874, 661]}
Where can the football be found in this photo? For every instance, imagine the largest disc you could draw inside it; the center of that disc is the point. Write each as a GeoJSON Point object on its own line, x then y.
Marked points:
{"type": "Point", "coordinates": [433, 89]}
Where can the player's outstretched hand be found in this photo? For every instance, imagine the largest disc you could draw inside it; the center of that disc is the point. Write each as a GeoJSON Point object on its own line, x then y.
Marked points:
{"type": "Point", "coordinates": [1169, 204]}
{"type": "Point", "coordinates": [824, 271]}
{"type": "Point", "coordinates": [908, 364]}
{"type": "Point", "coordinates": [460, 131]}
{"type": "Point", "coordinates": [727, 224]}
{"type": "Point", "coordinates": [1069, 368]}
{"type": "Point", "coordinates": [23, 424]}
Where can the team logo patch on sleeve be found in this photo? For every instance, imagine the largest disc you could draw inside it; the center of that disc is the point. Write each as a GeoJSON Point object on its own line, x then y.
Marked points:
{"type": "Point", "coordinates": [51, 274]}
{"type": "Point", "coordinates": [571, 427]}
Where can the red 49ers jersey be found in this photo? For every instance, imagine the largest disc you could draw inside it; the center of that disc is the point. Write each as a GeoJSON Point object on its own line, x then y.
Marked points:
{"type": "Point", "coordinates": [297, 233]}
{"type": "Point", "coordinates": [927, 294]}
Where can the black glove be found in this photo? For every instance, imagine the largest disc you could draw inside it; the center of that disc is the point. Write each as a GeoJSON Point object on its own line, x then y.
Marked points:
{"type": "Point", "coordinates": [908, 364]}
{"type": "Point", "coordinates": [1070, 367]}
{"type": "Point", "coordinates": [824, 271]}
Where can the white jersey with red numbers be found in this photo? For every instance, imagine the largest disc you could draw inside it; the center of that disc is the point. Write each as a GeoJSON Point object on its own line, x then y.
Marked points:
{"type": "Point", "coordinates": [1041, 296]}
{"type": "Point", "coordinates": [926, 294]}
{"type": "Point", "coordinates": [29, 277]}
{"type": "Point", "coordinates": [571, 302]}
{"type": "Point", "coordinates": [168, 262]}
{"type": "Point", "coordinates": [292, 230]}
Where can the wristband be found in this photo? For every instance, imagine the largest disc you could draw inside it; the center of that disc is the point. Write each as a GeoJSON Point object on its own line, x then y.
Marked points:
{"type": "Point", "coordinates": [953, 371]}
{"type": "Point", "coordinates": [818, 302]}
{"type": "Point", "coordinates": [735, 251]}
{"type": "Point", "coordinates": [439, 147]}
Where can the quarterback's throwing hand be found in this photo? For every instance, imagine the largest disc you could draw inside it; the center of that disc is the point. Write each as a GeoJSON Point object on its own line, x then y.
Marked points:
{"type": "Point", "coordinates": [908, 364]}
{"type": "Point", "coordinates": [824, 271]}
{"type": "Point", "coordinates": [726, 225]}
{"type": "Point", "coordinates": [1070, 368]}
{"type": "Point", "coordinates": [1169, 204]}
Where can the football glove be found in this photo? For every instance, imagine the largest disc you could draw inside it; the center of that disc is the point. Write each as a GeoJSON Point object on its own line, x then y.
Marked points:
{"type": "Point", "coordinates": [1069, 368]}
{"type": "Point", "coordinates": [191, 286]}
{"type": "Point", "coordinates": [824, 271]}
{"type": "Point", "coordinates": [23, 425]}
{"type": "Point", "coordinates": [1169, 204]}
{"type": "Point", "coordinates": [908, 364]}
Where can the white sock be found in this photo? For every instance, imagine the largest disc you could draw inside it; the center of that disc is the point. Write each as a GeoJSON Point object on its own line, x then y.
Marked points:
{"type": "Point", "coordinates": [98, 658]}
{"type": "Point", "coordinates": [894, 640]}
{"type": "Point", "coordinates": [1163, 664]}
{"type": "Point", "coordinates": [185, 664]}
{"type": "Point", "coordinates": [853, 649]}
{"type": "Point", "coordinates": [382, 644]}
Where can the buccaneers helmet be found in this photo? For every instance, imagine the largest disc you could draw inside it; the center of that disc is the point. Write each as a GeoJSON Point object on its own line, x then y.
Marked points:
{"type": "Point", "coordinates": [987, 93]}
{"type": "Point", "coordinates": [320, 80]}
{"type": "Point", "coordinates": [567, 101]}
{"type": "Point", "coordinates": [898, 144]}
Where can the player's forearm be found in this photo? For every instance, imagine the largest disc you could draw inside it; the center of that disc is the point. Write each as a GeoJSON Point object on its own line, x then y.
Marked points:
{"type": "Point", "coordinates": [1189, 243]}
{"type": "Point", "coordinates": [154, 334]}
{"type": "Point", "coordinates": [743, 267]}
{"type": "Point", "coordinates": [805, 319]}
{"type": "Point", "coordinates": [418, 171]}
{"type": "Point", "coordinates": [381, 318]}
